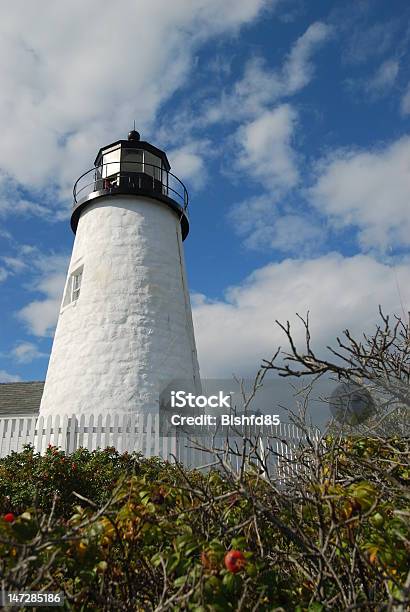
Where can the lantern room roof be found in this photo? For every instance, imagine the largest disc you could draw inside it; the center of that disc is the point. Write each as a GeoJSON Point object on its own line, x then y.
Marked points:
{"type": "Point", "coordinates": [135, 144]}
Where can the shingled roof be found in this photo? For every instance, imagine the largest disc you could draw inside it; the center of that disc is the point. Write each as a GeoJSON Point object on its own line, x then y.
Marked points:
{"type": "Point", "coordinates": [20, 398]}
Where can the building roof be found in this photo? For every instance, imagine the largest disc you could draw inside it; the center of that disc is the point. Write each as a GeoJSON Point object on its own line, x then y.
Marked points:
{"type": "Point", "coordinates": [20, 398]}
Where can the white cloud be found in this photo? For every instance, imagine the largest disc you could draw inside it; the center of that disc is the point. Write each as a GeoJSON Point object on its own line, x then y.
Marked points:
{"type": "Point", "coordinates": [12, 203]}
{"type": "Point", "coordinates": [40, 315]}
{"type": "Point", "coordinates": [369, 190]}
{"type": "Point", "coordinates": [26, 352]}
{"type": "Point", "coordinates": [265, 150]}
{"type": "Point", "coordinates": [5, 377]}
{"type": "Point", "coordinates": [292, 233]}
{"type": "Point", "coordinates": [261, 87]}
{"type": "Point", "coordinates": [265, 139]}
{"type": "Point", "coordinates": [263, 144]}
{"type": "Point", "coordinates": [76, 79]}
{"type": "Point", "coordinates": [5, 234]}
{"type": "Point", "coordinates": [220, 66]}
{"type": "Point", "coordinates": [299, 69]}
{"type": "Point", "coordinates": [250, 102]}
{"type": "Point", "coordinates": [405, 102]}
{"type": "Point", "coordinates": [250, 214]}
{"type": "Point", "coordinates": [361, 42]}
{"type": "Point", "coordinates": [262, 226]}
{"type": "Point", "coordinates": [384, 78]}
{"type": "Point", "coordinates": [235, 333]}
{"type": "Point", "coordinates": [3, 274]}
{"type": "Point", "coordinates": [187, 162]}
{"type": "Point", "coordinates": [14, 264]}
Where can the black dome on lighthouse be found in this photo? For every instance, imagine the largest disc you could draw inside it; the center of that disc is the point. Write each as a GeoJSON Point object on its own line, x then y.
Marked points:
{"type": "Point", "coordinates": [134, 135]}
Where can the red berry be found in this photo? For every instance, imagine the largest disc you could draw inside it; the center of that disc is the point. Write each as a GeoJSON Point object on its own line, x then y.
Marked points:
{"type": "Point", "coordinates": [234, 561]}
{"type": "Point", "coordinates": [9, 517]}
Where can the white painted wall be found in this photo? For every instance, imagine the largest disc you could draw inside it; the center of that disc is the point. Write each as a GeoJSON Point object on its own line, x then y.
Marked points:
{"type": "Point", "coordinates": [131, 326]}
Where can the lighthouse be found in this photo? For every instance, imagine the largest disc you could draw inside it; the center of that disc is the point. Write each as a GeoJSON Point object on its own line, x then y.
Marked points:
{"type": "Point", "coordinates": [125, 327]}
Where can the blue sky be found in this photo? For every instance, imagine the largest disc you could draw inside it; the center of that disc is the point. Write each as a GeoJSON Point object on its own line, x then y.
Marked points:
{"type": "Point", "coordinates": [289, 121]}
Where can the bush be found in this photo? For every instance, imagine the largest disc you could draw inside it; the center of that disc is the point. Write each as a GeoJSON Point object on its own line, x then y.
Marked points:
{"type": "Point", "coordinates": [147, 535]}
{"type": "Point", "coordinates": [27, 478]}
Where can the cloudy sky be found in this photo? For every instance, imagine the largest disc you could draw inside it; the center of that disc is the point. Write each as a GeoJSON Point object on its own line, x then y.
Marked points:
{"type": "Point", "coordinates": [288, 120]}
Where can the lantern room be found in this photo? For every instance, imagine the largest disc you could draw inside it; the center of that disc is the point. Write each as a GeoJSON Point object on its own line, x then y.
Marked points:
{"type": "Point", "coordinates": [125, 160]}
{"type": "Point", "coordinates": [131, 167]}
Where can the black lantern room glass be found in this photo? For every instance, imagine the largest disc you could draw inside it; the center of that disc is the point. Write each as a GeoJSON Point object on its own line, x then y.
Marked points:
{"type": "Point", "coordinates": [120, 165]}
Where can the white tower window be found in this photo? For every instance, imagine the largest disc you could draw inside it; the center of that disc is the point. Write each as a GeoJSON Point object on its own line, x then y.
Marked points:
{"type": "Point", "coordinates": [72, 291]}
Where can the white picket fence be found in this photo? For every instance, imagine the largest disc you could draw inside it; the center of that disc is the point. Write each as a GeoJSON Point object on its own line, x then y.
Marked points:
{"type": "Point", "coordinates": [141, 433]}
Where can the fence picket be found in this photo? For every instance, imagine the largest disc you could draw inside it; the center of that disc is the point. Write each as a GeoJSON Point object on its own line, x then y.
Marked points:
{"type": "Point", "coordinates": [48, 430]}
{"type": "Point", "coordinates": [132, 434]}
{"type": "Point", "coordinates": [164, 448]}
{"type": "Point", "coordinates": [24, 433]}
{"type": "Point", "coordinates": [138, 444]}
{"type": "Point", "coordinates": [90, 434]}
{"type": "Point", "coordinates": [99, 431]}
{"type": "Point", "coordinates": [31, 430]}
{"type": "Point", "coordinates": [64, 429]}
{"type": "Point", "coordinates": [156, 435]}
{"type": "Point", "coordinates": [107, 440]}
{"type": "Point", "coordinates": [19, 434]}
{"type": "Point", "coordinates": [72, 434]}
{"type": "Point", "coordinates": [3, 425]}
{"type": "Point", "coordinates": [173, 448]}
{"type": "Point", "coordinates": [56, 431]}
{"type": "Point", "coordinates": [12, 439]}
{"type": "Point", "coordinates": [148, 438]}
{"type": "Point", "coordinates": [184, 451]}
{"type": "Point", "coordinates": [38, 439]}
{"type": "Point", "coordinates": [81, 431]}
{"type": "Point", "coordinates": [116, 427]}
{"type": "Point", "coordinates": [122, 447]}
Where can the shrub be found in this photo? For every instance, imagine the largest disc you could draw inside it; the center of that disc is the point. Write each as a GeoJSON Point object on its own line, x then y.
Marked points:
{"type": "Point", "coordinates": [150, 535]}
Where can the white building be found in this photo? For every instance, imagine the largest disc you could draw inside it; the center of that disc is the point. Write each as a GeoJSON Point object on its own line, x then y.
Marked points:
{"type": "Point", "coordinates": [125, 326]}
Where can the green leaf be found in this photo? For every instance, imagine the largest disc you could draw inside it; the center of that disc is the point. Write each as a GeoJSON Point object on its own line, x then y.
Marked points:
{"type": "Point", "coordinates": [239, 543]}
{"type": "Point", "coordinates": [180, 581]}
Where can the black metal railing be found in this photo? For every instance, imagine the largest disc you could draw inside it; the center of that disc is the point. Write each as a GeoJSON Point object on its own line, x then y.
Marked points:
{"type": "Point", "coordinates": [142, 177]}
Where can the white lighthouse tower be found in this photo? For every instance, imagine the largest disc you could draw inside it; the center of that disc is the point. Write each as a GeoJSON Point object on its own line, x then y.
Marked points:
{"type": "Point", "coordinates": [125, 326]}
